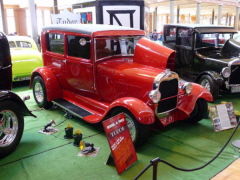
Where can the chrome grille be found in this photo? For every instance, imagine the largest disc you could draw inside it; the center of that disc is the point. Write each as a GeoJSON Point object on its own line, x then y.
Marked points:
{"type": "Point", "coordinates": [169, 98]}
{"type": "Point", "coordinates": [234, 77]}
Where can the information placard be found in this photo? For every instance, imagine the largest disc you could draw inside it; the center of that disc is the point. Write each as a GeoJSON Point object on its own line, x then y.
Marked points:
{"type": "Point", "coordinates": [223, 116]}
{"type": "Point", "coordinates": [120, 142]}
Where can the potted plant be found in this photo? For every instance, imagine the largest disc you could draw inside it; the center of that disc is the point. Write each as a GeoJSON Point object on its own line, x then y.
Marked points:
{"type": "Point", "coordinates": [77, 136]}
{"type": "Point", "coordinates": [68, 131]}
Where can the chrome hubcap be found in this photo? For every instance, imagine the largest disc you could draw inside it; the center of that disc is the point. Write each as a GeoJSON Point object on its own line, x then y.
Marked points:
{"type": "Point", "coordinates": [205, 83]}
{"type": "Point", "coordinates": [8, 127]}
{"type": "Point", "coordinates": [131, 127]}
{"type": "Point", "coordinates": [38, 92]}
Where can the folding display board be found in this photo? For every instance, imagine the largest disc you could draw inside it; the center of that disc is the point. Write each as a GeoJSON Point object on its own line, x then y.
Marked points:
{"type": "Point", "coordinates": [223, 116]}
{"type": "Point", "coordinates": [120, 142]}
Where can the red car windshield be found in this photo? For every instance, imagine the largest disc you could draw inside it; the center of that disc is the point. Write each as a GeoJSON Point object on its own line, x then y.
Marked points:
{"type": "Point", "coordinates": [117, 46]}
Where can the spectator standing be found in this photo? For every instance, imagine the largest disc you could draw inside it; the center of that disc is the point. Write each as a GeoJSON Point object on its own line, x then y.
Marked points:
{"type": "Point", "coordinates": [155, 35]}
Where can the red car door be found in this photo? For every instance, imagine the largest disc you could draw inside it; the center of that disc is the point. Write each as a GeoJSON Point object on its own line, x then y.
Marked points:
{"type": "Point", "coordinates": [79, 65]}
{"type": "Point", "coordinates": [54, 57]}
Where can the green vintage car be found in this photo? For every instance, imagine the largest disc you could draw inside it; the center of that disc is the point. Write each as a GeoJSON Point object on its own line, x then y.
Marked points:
{"type": "Point", "coordinates": [25, 57]}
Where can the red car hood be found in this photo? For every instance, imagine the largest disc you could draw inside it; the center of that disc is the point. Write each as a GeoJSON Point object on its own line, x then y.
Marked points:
{"type": "Point", "coordinates": [124, 78]}
{"type": "Point", "coordinates": [125, 68]}
{"type": "Point", "coordinates": [152, 54]}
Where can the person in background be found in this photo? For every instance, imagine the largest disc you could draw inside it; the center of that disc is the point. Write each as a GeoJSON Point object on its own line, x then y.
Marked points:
{"type": "Point", "coordinates": [151, 36]}
{"type": "Point", "coordinates": [155, 35]}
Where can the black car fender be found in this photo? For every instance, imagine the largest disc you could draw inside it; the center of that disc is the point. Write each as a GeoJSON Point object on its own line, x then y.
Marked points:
{"type": "Point", "coordinates": [214, 75]}
{"type": "Point", "coordinates": [9, 95]}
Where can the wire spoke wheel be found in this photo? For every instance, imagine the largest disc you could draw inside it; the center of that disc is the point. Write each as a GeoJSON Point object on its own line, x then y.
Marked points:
{"type": "Point", "coordinates": [139, 132]}
{"type": "Point", "coordinates": [8, 127]}
{"type": "Point", "coordinates": [131, 127]}
{"type": "Point", "coordinates": [38, 91]}
{"type": "Point", "coordinates": [205, 83]}
{"type": "Point", "coordinates": [209, 83]}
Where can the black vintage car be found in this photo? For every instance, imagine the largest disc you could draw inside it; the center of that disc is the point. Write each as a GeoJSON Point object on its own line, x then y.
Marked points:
{"type": "Point", "coordinates": [207, 55]}
{"type": "Point", "coordinates": [12, 107]}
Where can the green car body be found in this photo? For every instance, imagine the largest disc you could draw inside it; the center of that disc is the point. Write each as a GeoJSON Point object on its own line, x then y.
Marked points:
{"type": "Point", "coordinates": [25, 57]}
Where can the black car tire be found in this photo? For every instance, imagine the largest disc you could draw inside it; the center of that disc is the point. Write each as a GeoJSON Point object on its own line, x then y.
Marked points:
{"type": "Point", "coordinates": [208, 82]}
{"type": "Point", "coordinates": [139, 132]}
{"type": "Point", "coordinates": [40, 93]}
{"type": "Point", "coordinates": [199, 112]}
{"type": "Point", "coordinates": [11, 127]}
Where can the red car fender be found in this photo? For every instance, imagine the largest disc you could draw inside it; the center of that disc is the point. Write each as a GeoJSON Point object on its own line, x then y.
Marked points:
{"type": "Point", "coordinates": [187, 103]}
{"type": "Point", "coordinates": [54, 91]}
{"type": "Point", "coordinates": [143, 113]}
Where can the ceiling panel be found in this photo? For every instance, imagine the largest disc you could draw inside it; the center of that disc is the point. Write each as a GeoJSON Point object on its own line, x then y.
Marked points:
{"type": "Point", "coordinates": [190, 6]}
{"type": "Point", "coordinates": [185, 6]}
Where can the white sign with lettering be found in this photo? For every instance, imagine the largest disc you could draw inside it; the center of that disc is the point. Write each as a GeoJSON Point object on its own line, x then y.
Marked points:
{"type": "Point", "coordinates": [66, 17]}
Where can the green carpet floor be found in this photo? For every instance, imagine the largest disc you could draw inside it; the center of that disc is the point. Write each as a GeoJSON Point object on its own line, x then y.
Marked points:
{"type": "Point", "coordinates": [41, 156]}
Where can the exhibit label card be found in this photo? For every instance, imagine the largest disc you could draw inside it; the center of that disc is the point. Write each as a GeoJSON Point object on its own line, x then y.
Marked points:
{"type": "Point", "coordinates": [223, 116]}
{"type": "Point", "coordinates": [120, 142]}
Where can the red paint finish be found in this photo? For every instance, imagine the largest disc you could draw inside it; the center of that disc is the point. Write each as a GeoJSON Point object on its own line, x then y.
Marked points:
{"type": "Point", "coordinates": [53, 88]}
{"type": "Point", "coordinates": [124, 77]}
{"type": "Point", "coordinates": [152, 54]}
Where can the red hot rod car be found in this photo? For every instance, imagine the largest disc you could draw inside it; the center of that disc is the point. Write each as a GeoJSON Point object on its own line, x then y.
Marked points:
{"type": "Point", "coordinates": [97, 71]}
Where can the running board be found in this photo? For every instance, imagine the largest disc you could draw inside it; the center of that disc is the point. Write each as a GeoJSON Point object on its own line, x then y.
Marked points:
{"type": "Point", "coordinates": [72, 108]}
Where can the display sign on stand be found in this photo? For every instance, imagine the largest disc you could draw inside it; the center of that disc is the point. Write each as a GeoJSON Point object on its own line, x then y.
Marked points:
{"type": "Point", "coordinates": [223, 116]}
{"type": "Point", "coordinates": [120, 142]}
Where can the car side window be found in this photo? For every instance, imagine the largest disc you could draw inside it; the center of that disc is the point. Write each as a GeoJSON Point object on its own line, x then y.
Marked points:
{"type": "Point", "coordinates": [12, 44]}
{"type": "Point", "coordinates": [79, 46]}
{"type": "Point", "coordinates": [170, 34]}
{"type": "Point", "coordinates": [185, 37]}
{"type": "Point", "coordinates": [23, 44]}
{"type": "Point", "coordinates": [55, 43]}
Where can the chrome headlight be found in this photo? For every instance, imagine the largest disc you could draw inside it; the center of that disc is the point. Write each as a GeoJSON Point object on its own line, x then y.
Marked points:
{"type": "Point", "coordinates": [226, 72]}
{"type": "Point", "coordinates": [187, 87]}
{"type": "Point", "coordinates": [155, 96]}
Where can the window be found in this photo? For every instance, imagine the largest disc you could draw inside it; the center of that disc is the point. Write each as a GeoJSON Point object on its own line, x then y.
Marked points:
{"type": "Point", "coordinates": [23, 44]}
{"type": "Point", "coordinates": [170, 34]}
{"type": "Point", "coordinates": [28, 21]}
{"type": "Point", "coordinates": [43, 19]}
{"type": "Point", "coordinates": [47, 17]}
{"type": "Point", "coordinates": [185, 37]}
{"type": "Point", "coordinates": [12, 44]}
{"type": "Point", "coordinates": [11, 21]}
{"type": "Point", "coordinates": [20, 44]}
{"type": "Point", "coordinates": [55, 43]}
{"type": "Point", "coordinates": [118, 46]}
{"type": "Point", "coordinates": [39, 20]}
{"type": "Point", "coordinates": [76, 49]}
{"type": "Point", "coordinates": [212, 40]}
